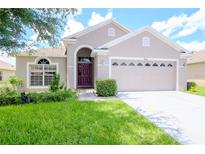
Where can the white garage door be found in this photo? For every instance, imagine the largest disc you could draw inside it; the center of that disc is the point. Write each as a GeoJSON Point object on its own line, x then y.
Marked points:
{"type": "Point", "coordinates": [140, 75]}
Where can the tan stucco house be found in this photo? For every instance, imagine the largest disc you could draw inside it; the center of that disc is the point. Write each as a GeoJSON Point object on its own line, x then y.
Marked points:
{"type": "Point", "coordinates": [196, 68]}
{"type": "Point", "coordinates": [6, 70]}
{"type": "Point", "coordinates": [140, 60]}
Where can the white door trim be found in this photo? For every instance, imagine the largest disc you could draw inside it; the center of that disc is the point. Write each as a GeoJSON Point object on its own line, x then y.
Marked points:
{"type": "Point", "coordinates": [75, 62]}
{"type": "Point", "coordinates": [145, 58]}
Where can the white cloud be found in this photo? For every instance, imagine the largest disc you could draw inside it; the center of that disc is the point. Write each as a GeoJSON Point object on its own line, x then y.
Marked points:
{"type": "Point", "coordinates": [97, 18]}
{"type": "Point", "coordinates": [182, 25]}
{"type": "Point", "coordinates": [193, 46]}
{"type": "Point", "coordinates": [72, 26]}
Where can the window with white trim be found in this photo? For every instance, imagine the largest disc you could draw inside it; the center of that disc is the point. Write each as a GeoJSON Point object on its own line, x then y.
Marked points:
{"type": "Point", "coordinates": [42, 73]}
{"type": "Point", "coordinates": [111, 32]}
{"type": "Point", "coordinates": [145, 41]}
{"type": "Point", "coordinates": [1, 76]}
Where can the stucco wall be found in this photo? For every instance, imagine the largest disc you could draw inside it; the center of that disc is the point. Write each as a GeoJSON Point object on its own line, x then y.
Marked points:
{"type": "Point", "coordinates": [133, 48]}
{"type": "Point", "coordinates": [92, 39]}
{"type": "Point", "coordinates": [21, 70]}
{"type": "Point", "coordinates": [6, 74]}
{"type": "Point", "coordinates": [195, 72]}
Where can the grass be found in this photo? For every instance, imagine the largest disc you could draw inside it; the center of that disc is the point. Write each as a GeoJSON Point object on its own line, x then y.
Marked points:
{"type": "Point", "coordinates": [78, 122]}
{"type": "Point", "coordinates": [198, 90]}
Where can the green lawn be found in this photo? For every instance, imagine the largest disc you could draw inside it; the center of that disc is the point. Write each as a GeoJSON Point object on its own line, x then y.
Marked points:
{"type": "Point", "coordinates": [199, 90]}
{"type": "Point", "coordinates": [78, 122]}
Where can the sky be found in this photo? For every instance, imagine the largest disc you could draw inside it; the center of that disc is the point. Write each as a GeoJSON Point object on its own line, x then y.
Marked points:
{"type": "Point", "coordinates": [184, 26]}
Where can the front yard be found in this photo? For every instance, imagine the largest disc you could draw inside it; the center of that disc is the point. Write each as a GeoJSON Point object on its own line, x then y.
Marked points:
{"type": "Point", "coordinates": [78, 122]}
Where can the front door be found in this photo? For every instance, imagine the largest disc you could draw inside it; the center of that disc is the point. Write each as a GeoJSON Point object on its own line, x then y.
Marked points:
{"type": "Point", "coordinates": [85, 75]}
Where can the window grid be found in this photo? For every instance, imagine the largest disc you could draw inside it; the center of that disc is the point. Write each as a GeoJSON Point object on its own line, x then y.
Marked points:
{"type": "Point", "coordinates": [41, 74]}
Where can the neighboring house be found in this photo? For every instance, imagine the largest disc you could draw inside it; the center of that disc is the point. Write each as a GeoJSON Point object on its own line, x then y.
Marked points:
{"type": "Point", "coordinates": [196, 67]}
{"type": "Point", "coordinates": [6, 70]}
{"type": "Point", "coordinates": [140, 60]}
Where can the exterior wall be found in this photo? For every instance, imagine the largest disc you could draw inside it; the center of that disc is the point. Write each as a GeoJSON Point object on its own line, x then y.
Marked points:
{"type": "Point", "coordinates": [91, 40]}
{"type": "Point", "coordinates": [158, 49]}
{"type": "Point", "coordinates": [21, 70]}
{"type": "Point", "coordinates": [196, 73]}
{"type": "Point", "coordinates": [182, 74]}
{"type": "Point", "coordinates": [6, 74]}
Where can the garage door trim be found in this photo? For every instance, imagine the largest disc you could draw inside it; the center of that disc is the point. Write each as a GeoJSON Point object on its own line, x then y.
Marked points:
{"type": "Point", "coordinates": [144, 58]}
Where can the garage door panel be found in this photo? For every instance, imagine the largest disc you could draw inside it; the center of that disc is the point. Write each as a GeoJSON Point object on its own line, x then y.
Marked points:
{"type": "Point", "coordinates": [143, 78]}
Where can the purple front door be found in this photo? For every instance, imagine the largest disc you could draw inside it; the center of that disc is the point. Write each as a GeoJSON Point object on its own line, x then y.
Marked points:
{"type": "Point", "coordinates": [85, 75]}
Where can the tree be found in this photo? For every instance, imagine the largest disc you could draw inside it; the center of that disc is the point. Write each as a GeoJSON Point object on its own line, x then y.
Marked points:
{"type": "Point", "coordinates": [16, 24]}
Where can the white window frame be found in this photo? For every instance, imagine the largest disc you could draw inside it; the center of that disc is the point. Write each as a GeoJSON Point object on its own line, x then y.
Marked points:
{"type": "Point", "coordinates": [36, 63]}
{"type": "Point", "coordinates": [111, 32]}
{"type": "Point", "coordinates": [146, 41]}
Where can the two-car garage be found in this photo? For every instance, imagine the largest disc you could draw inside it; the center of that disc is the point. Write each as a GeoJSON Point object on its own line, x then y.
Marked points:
{"type": "Point", "coordinates": [144, 74]}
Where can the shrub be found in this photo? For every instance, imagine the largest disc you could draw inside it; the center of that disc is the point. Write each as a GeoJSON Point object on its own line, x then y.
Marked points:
{"type": "Point", "coordinates": [191, 85]}
{"type": "Point", "coordinates": [60, 95]}
{"type": "Point", "coordinates": [15, 82]}
{"type": "Point", "coordinates": [106, 87]}
{"type": "Point", "coordinates": [11, 97]}
{"type": "Point", "coordinates": [55, 84]}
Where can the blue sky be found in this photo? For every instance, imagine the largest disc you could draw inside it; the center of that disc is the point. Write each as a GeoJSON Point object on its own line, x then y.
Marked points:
{"type": "Point", "coordinates": [185, 26]}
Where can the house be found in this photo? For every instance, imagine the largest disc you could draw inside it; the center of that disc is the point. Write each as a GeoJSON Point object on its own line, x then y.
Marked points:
{"type": "Point", "coordinates": [196, 67]}
{"type": "Point", "coordinates": [6, 70]}
{"type": "Point", "coordinates": [140, 60]}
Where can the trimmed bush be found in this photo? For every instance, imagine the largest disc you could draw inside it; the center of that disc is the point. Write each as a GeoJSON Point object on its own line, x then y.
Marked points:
{"type": "Point", "coordinates": [106, 88]}
{"type": "Point", "coordinates": [43, 97]}
{"type": "Point", "coordinates": [60, 95]}
{"type": "Point", "coordinates": [191, 85]}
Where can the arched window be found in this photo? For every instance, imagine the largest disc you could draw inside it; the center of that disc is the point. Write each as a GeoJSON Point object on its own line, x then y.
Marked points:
{"type": "Point", "coordinates": [162, 65]}
{"type": "Point", "coordinates": [155, 65]}
{"type": "Point", "coordinates": [145, 41]}
{"type": "Point", "coordinates": [147, 64]}
{"type": "Point", "coordinates": [169, 65]}
{"type": "Point", "coordinates": [139, 64]}
{"type": "Point", "coordinates": [41, 73]}
{"type": "Point", "coordinates": [43, 61]}
{"type": "Point", "coordinates": [131, 64]}
{"type": "Point", "coordinates": [114, 64]}
{"type": "Point", "coordinates": [123, 64]}
{"type": "Point", "coordinates": [111, 32]}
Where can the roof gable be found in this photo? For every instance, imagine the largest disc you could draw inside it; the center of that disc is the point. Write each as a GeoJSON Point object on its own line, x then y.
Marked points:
{"type": "Point", "coordinates": [145, 29]}
{"type": "Point", "coordinates": [6, 66]}
{"type": "Point", "coordinates": [97, 26]}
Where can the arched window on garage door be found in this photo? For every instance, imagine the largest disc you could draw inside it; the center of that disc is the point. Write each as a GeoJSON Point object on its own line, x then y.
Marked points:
{"type": "Point", "coordinates": [123, 64]}
{"type": "Point", "coordinates": [139, 64]}
{"type": "Point", "coordinates": [162, 65]}
{"type": "Point", "coordinates": [131, 64]}
{"type": "Point", "coordinates": [114, 64]}
{"type": "Point", "coordinates": [147, 64]}
{"type": "Point", "coordinates": [155, 65]}
{"type": "Point", "coordinates": [169, 65]}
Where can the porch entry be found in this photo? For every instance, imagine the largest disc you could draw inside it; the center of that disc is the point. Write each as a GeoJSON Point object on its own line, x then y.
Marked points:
{"type": "Point", "coordinates": [85, 72]}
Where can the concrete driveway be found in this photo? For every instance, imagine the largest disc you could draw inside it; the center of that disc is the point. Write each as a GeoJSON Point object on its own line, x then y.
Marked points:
{"type": "Point", "coordinates": [179, 114]}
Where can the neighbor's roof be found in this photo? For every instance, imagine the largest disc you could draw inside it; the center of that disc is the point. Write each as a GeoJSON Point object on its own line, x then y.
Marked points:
{"type": "Point", "coordinates": [197, 57]}
{"type": "Point", "coordinates": [47, 52]}
{"type": "Point", "coordinates": [6, 66]}
{"type": "Point", "coordinates": [99, 25]}
{"type": "Point", "coordinates": [139, 31]}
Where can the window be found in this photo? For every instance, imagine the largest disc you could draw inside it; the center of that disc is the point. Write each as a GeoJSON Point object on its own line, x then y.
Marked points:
{"type": "Point", "coordinates": [111, 32]}
{"type": "Point", "coordinates": [139, 64]}
{"type": "Point", "coordinates": [123, 64]}
{"type": "Point", "coordinates": [147, 64]}
{"type": "Point", "coordinates": [162, 65]}
{"type": "Point", "coordinates": [114, 64]}
{"type": "Point", "coordinates": [155, 65]}
{"type": "Point", "coordinates": [145, 41]}
{"type": "Point", "coordinates": [169, 65]}
{"type": "Point", "coordinates": [42, 73]}
{"type": "Point", "coordinates": [43, 61]}
{"type": "Point", "coordinates": [1, 76]}
{"type": "Point", "coordinates": [131, 64]}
